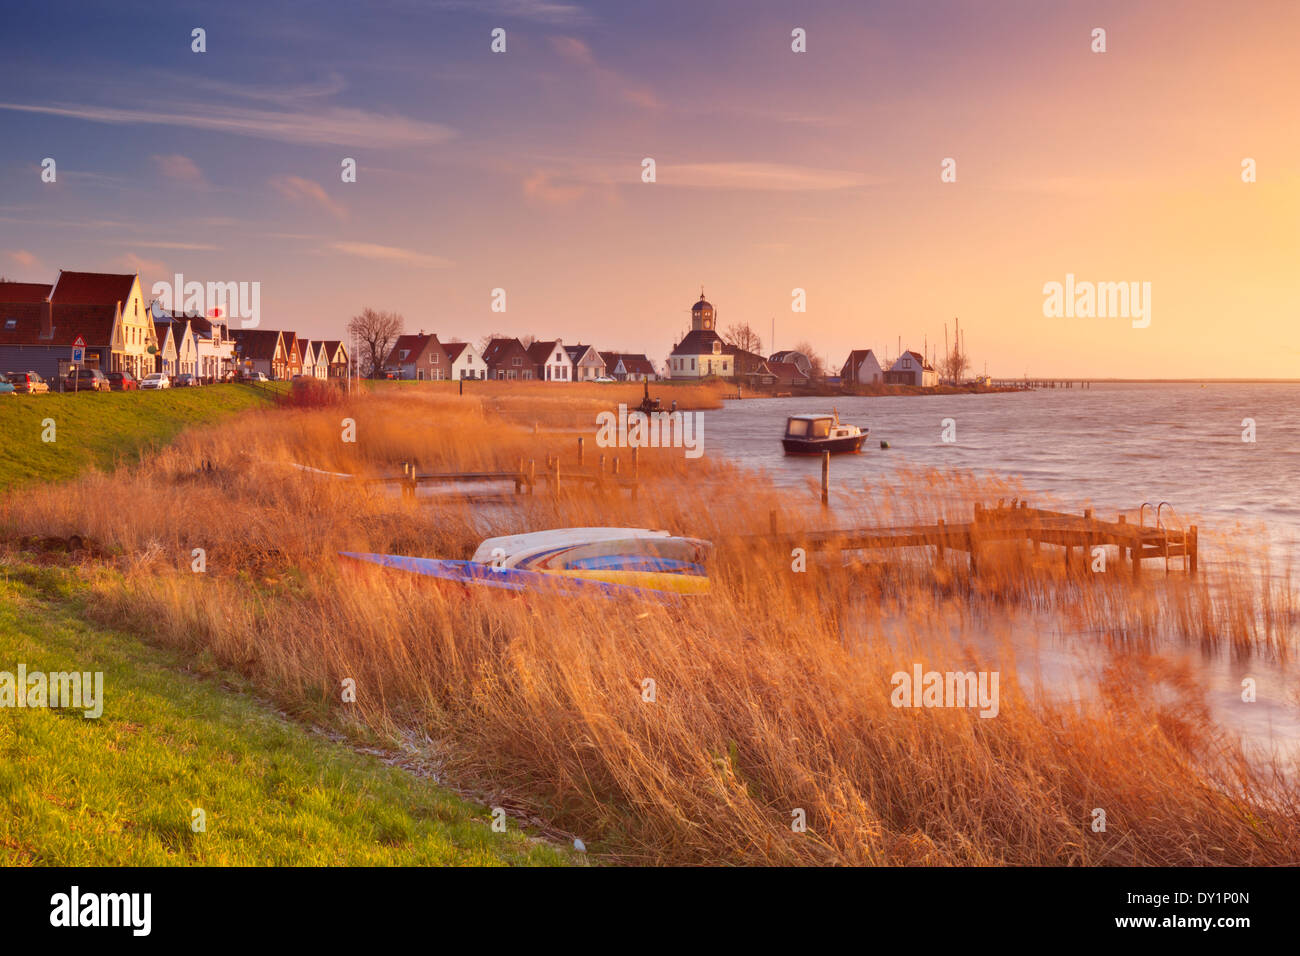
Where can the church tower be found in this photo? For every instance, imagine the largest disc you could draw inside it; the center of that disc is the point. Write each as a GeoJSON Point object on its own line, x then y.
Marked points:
{"type": "Point", "coordinates": [702, 318]}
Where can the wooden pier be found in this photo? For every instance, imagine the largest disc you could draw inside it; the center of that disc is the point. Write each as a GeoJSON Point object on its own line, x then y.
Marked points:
{"type": "Point", "coordinates": [1075, 535]}
{"type": "Point", "coordinates": [607, 471]}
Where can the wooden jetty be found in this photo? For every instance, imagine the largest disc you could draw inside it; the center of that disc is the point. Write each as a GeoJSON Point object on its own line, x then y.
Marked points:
{"type": "Point", "coordinates": [606, 472]}
{"type": "Point", "coordinates": [1076, 535]}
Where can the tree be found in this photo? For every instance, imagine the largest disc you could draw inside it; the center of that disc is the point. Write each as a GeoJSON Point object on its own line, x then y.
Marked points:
{"type": "Point", "coordinates": [818, 370]}
{"type": "Point", "coordinates": [743, 337]}
{"type": "Point", "coordinates": [483, 342]}
{"type": "Point", "coordinates": [374, 332]}
{"type": "Point", "coordinates": [955, 366]}
{"type": "Point", "coordinates": [527, 341]}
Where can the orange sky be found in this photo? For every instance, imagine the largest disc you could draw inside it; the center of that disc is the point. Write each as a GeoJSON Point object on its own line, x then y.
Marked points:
{"type": "Point", "coordinates": [775, 170]}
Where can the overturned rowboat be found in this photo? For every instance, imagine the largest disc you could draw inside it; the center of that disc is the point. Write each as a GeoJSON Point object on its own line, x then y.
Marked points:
{"type": "Point", "coordinates": [606, 562]}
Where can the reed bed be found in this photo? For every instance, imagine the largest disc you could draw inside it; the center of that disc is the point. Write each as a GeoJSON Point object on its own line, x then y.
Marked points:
{"type": "Point", "coordinates": [771, 696]}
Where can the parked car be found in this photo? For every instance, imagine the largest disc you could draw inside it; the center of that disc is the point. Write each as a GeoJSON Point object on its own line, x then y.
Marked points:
{"type": "Point", "coordinates": [247, 376]}
{"type": "Point", "coordinates": [156, 380]}
{"type": "Point", "coordinates": [6, 387]}
{"type": "Point", "coordinates": [603, 380]}
{"type": "Point", "coordinates": [122, 382]}
{"type": "Point", "coordinates": [82, 379]}
{"type": "Point", "coordinates": [185, 380]}
{"type": "Point", "coordinates": [28, 382]}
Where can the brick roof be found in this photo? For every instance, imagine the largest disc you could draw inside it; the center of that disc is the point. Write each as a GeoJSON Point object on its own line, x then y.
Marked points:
{"type": "Point", "coordinates": [94, 323]}
{"type": "Point", "coordinates": [453, 349]}
{"type": "Point", "coordinates": [92, 288]}
{"type": "Point", "coordinates": [24, 292]}
{"type": "Point", "coordinates": [256, 343]}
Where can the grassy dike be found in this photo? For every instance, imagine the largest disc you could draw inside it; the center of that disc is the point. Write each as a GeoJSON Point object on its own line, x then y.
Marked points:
{"type": "Point", "coordinates": [177, 735]}
{"type": "Point", "coordinates": [104, 429]}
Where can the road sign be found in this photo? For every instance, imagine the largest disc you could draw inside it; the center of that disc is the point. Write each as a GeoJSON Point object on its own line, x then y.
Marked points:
{"type": "Point", "coordinates": [79, 341]}
{"type": "Point", "coordinates": [78, 354]}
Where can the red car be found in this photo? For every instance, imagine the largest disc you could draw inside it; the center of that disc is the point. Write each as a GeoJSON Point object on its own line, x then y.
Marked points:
{"type": "Point", "coordinates": [123, 382]}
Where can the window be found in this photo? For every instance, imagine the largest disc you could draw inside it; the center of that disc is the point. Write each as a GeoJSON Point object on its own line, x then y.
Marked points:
{"type": "Point", "coordinates": [404, 353]}
{"type": "Point", "coordinates": [433, 358]}
{"type": "Point", "coordinates": [516, 361]}
{"type": "Point", "coordinates": [11, 323]}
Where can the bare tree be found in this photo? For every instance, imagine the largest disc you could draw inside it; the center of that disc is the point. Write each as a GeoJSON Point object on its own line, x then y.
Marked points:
{"type": "Point", "coordinates": [743, 337]}
{"type": "Point", "coordinates": [527, 341]}
{"type": "Point", "coordinates": [955, 366]}
{"type": "Point", "coordinates": [818, 370]}
{"type": "Point", "coordinates": [375, 332]}
{"type": "Point", "coordinates": [483, 342]}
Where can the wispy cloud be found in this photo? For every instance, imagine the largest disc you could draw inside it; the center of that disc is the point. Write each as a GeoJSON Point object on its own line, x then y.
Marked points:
{"type": "Point", "coordinates": [369, 250]}
{"type": "Point", "coordinates": [538, 11]}
{"type": "Point", "coordinates": [762, 176]}
{"type": "Point", "coordinates": [178, 167]}
{"type": "Point", "coordinates": [137, 264]}
{"type": "Point", "coordinates": [334, 125]}
{"type": "Point", "coordinates": [305, 192]}
{"type": "Point", "coordinates": [24, 258]}
{"type": "Point", "coordinates": [163, 244]}
{"type": "Point", "coordinates": [580, 54]}
{"type": "Point", "coordinates": [543, 188]}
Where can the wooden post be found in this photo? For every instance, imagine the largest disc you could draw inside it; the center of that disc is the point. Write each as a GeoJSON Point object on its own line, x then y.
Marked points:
{"type": "Point", "coordinates": [1190, 547]}
{"type": "Point", "coordinates": [941, 542]}
{"type": "Point", "coordinates": [519, 472]}
{"type": "Point", "coordinates": [636, 461]}
{"type": "Point", "coordinates": [462, 385]}
{"type": "Point", "coordinates": [826, 478]}
{"type": "Point", "coordinates": [616, 466]}
{"type": "Point", "coordinates": [532, 474]}
{"type": "Point", "coordinates": [581, 455]}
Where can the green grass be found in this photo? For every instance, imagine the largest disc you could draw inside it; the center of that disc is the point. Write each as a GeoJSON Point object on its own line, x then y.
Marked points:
{"type": "Point", "coordinates": [120, 789]}
{"type": "Point", "coordinates": [104, 429]}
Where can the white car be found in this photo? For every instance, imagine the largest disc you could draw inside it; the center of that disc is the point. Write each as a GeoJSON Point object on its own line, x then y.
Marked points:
{"type": "Point", "coordinates": [155, 380]}
{"type": "Point", "coordinates": [603, 380]}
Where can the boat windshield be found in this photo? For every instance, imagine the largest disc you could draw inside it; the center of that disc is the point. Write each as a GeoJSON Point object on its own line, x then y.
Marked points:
{"type": "Point", "coordinates": [805, 428]}
{"type": "Point", "coordinates": [797, 427]}
{"type": "Point", "coordinates": [821, 428]}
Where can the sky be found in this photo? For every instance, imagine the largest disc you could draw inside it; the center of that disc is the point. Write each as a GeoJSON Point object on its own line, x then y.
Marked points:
{"type": "Point", "coordinates": [774, 170]}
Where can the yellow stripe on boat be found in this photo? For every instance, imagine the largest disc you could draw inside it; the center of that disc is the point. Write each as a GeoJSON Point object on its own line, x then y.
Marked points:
{"type": "Point", "coordinates": [655, 580]}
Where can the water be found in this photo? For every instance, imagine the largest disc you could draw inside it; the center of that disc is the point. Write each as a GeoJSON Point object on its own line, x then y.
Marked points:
{"type": "Point", "coordinates": [1110, 447]}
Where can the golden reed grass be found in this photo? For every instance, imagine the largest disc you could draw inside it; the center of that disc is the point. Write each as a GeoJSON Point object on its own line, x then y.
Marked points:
{"type": "Point", "coordinates": [772, 694]}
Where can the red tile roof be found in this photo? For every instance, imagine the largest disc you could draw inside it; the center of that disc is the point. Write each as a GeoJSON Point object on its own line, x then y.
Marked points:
{"type": "Point", "coordinates": [453, 349]}
{"type": "Point", "coordinates": [92, 288]}
{"type": "Point", "coordinates": [24, 292]}
{"type": "Point", "coordinates": [93, 323]}
{"type": "Point", "coordinates": [256, 343]}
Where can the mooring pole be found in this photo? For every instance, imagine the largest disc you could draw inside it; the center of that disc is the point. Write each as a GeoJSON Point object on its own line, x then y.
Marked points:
{"type": "Point", "coordinates": [826, 478]}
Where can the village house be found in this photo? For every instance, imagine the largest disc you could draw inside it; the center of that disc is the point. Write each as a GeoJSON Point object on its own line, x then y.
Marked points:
{"type": "Point", "coordinates": [214, 348]}
{"type": "Point", "coordinates": [336, 357]}
{"type": "Point", "coordinates": [507, 359]}
{"type": "Point", "coordinates": [39, 324]}
{"type": "Point", "coordinates": [292, 354]}
{"type": "Point", "coordinates": [788, 374]}
{"type": "Point", "coordinates": [798, 359]}
{"type": "Point", "coordinates": [465, 360]}
{"type": "Point", "coordinates": [911, 368]}
{"type": "Point", "coordinates": [588, 365]}
{"type": "Point", "coordinates": [629, 367]}
{"type": "Point", "coordinates": [551, 362]}
{"type": "Point", "coordinates": [320, 366]}
{"type": "Point", "coordinates": [308, 357]}
{"type": "Point", "coordinates": [862, 368]}
{"type": "Point", "coordinates": [418, 357]}
{"type": "Point", "coordinates": [165, 357]}
{"type": "Point", "coordinates": [261, 350]}
{"type": "Point", "coordinates": [702, 353]}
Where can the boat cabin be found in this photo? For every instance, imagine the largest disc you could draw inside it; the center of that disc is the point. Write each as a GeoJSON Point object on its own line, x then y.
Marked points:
{"type": "Point", "coordinates": [811, 426]}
